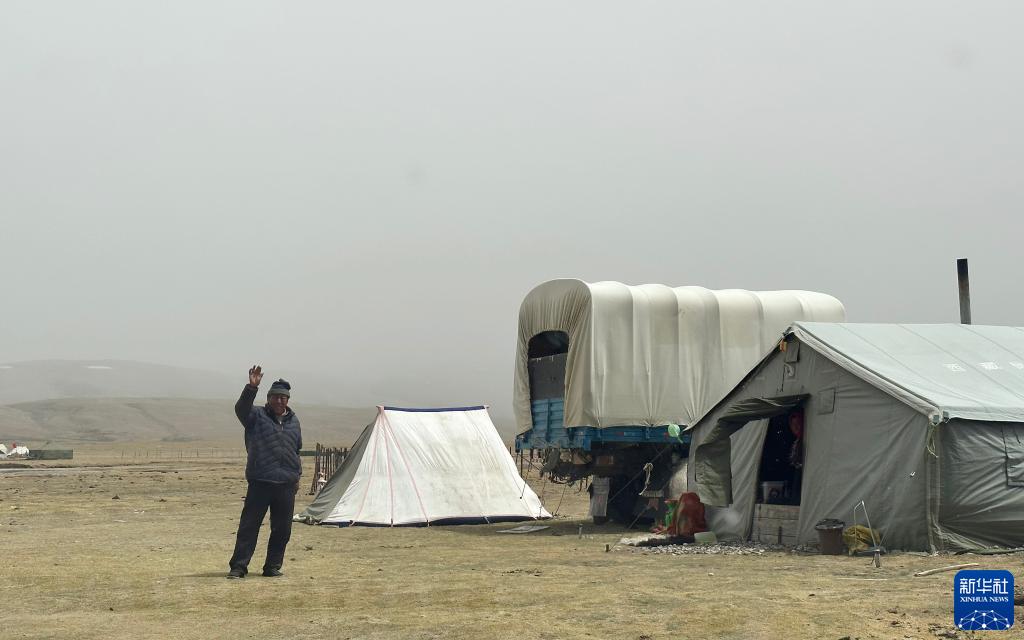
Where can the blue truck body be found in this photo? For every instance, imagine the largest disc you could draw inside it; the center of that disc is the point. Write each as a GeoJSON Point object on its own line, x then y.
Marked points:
{"type": "Point", "coordinates": [549, 432]}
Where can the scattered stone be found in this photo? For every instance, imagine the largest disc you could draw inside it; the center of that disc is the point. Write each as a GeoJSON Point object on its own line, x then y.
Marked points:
{"type": "Point", "coordinates": [116, 497]}
{"type": "Point", "coordinates": [308, 547]}
{"type": "Point", "coordinates": [645, 540]}
{"type": "Point", "coordinates": [162, 500]}
{"type": "Point", "coordinates": [721, 548]}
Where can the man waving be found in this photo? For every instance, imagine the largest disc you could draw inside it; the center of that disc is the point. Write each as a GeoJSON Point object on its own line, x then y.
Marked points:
{"type": "Point", "coordinates": [272, 441]}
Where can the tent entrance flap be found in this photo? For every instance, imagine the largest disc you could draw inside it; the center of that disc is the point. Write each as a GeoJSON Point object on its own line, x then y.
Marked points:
{"type": "Point", "coordinates": [712, 458]}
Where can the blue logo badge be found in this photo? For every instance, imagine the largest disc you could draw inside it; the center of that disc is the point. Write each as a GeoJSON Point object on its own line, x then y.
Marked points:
{"type": "Point", "coordinates": [983, 600]}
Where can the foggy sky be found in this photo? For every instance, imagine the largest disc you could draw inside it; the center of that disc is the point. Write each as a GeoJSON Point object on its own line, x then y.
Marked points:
{"type": "Point", "coordinates": [364, 192]}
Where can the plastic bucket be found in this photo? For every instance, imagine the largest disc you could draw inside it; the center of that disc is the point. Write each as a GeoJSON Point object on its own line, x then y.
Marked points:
{"type": "Point", "coordinates": [830, 537]}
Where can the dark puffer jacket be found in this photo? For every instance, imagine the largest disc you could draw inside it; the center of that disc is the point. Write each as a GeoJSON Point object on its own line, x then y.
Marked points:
{"type": "Point", "coordinates": [273, 445]}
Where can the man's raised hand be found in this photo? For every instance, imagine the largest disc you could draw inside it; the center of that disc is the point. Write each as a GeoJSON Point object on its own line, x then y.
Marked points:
{"type": "Point", "coordinates": [255, 375]}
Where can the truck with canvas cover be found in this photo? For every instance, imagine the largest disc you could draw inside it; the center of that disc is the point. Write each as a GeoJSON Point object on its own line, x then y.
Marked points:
{"type": "Point", "coordinates": [606, 371]}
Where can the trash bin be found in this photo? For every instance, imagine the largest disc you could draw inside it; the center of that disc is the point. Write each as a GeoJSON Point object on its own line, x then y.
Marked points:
{"type": "Point", "coordinates": [830, 537]}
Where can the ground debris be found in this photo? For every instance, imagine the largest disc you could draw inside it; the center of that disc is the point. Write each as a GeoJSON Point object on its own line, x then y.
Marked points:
{"type": "Point", "coordinates": [941, 631]}
{"type": "Point", "coordinates": [720, 548]}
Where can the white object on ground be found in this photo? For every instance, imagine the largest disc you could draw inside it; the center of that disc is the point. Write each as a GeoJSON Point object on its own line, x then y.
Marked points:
{"type": "Point", "coordinates": [526, 528]}
{"type": "Point", "coordinates": [705, 537]}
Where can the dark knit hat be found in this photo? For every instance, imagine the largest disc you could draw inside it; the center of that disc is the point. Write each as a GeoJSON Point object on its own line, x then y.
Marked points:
{"type": "Point", "coordinates": [280, 388]}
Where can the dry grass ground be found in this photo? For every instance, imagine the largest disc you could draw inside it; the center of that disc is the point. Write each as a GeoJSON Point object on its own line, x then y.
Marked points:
{"type": "Point", "coordinates": [151, 564]}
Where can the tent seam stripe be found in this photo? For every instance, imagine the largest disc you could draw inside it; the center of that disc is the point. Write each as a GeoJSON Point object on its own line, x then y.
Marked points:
{"type": "Point", "coordinates": [401, 453]}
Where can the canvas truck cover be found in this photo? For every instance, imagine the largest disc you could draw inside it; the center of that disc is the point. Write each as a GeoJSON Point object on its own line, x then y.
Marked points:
{"type": "Point", "coordinates": [651, 355]}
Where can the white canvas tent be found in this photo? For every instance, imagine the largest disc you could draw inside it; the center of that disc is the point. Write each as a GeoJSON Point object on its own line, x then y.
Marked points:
{"type": "Point", "coordinates": [426, 466]}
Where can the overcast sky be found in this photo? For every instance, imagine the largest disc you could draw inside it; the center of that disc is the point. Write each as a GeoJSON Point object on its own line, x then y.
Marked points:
{"type": "Point", "coordinates": [365, 191]}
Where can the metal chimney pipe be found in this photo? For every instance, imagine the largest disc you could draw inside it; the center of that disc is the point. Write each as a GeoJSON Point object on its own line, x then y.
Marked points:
{"type": "Point", "coordinates": [965, 290]}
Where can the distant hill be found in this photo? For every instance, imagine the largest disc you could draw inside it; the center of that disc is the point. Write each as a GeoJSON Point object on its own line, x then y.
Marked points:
{"type": "Point", "coordinates": [120, 400]}
{"type": "Point", "coordinates": [80, 420]}
{"type": "Point", "coordinates": [48, 379]}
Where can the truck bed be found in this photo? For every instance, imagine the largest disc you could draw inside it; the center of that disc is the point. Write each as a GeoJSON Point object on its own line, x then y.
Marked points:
{"type": "Point", "coordinates": [549, 432]}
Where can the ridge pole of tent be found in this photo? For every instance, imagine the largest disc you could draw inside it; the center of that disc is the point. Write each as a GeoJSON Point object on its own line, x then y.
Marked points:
{"type": "Point", "coordinates": [965, 290]}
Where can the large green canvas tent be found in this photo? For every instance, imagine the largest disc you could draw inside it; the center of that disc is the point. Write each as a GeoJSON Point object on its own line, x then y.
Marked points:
{"type": "Point", "coordinates": [924, 423]}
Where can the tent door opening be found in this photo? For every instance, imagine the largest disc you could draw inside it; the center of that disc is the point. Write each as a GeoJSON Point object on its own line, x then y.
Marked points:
{"type": "Point", "coordinates": [781, 470]}
{"type": "Point", "coordinates": [712, 459]}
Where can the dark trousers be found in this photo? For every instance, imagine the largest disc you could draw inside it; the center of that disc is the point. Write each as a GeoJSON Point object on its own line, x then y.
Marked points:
{"type": "Point", "coordinates": [280, 499]}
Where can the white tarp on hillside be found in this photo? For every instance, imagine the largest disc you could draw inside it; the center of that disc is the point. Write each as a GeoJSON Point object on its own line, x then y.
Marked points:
{"type": "Point", "coordinates": [415, 466]}
{"type": "Point", "coordinates": [651, 354]}
{"type": "Point", "coordinates": [945, 371]}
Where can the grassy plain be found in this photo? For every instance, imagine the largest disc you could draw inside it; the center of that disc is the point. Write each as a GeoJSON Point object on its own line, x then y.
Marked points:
{"type": "Point", "coordinates": [78, 563]}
